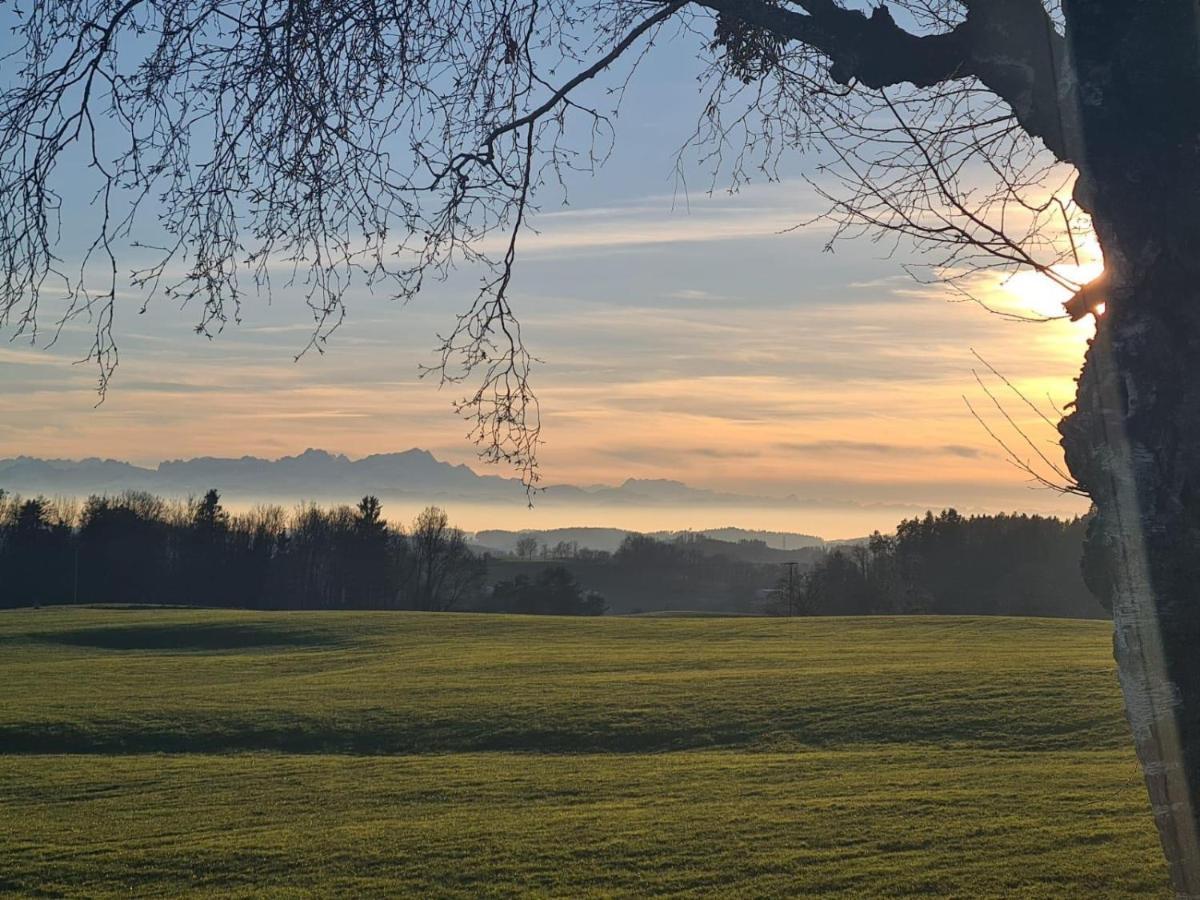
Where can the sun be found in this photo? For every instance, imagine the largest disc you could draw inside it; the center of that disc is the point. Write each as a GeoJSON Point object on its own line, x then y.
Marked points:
{"type": "Point", "coordinates": [1038, 294]}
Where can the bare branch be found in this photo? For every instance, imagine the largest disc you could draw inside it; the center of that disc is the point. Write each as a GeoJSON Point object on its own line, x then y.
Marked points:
{"type": "Point", "coordinates": [371, 146]}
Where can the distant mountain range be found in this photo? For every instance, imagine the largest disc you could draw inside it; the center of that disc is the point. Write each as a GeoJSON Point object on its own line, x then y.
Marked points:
{"type": "Point", "coordinates": [318, 475]}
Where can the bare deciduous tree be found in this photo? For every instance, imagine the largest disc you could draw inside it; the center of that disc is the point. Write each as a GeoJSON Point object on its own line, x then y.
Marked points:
{"type": "Point", "coordinates": [444, 572]}
{"type": "Point", "coordinates": [384, 143]}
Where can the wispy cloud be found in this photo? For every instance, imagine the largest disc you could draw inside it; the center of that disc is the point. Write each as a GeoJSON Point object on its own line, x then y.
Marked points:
{"type": "Point", "coordinates": [869, 448]}
{"type": "Point", "coordinates": [30, 357]}
{"type": "Point", "coordinates": [736, 369]}
{"type": "Point", "coordinates": [760, 211]}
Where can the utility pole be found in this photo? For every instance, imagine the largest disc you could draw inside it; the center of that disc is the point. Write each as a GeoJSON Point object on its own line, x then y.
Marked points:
{"type": "Point", "coordinates": [791, 588]}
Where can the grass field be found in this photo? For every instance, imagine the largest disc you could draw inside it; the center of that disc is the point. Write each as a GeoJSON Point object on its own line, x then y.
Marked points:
{"type": "Point", "coordinates": [167, 752]}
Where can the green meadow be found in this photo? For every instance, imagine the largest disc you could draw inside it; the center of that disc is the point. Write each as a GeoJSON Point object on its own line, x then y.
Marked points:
{"type": "Point", "coordinates": [162, 752]}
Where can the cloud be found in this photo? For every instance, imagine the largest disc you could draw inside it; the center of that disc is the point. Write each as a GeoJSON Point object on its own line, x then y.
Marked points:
{"type": "Point", "coordinates": [651, 454]}
{"type": "Point", "coordinates": [884, 281]}
{"type": "Point", "coordinates": [29, 357]}
{"type": "Point", "coordinates": [880, 449]}
{"type": "Point", "coordinates": [757, 211]}
{"type": "Point", "coordinates": [763, 368]}
{"type": "Point", "coordinates": [308, 414]}
{"type": "Point", "coordinates": [170, 387]}
{"type": "Point", "coordinates": [694, 294]}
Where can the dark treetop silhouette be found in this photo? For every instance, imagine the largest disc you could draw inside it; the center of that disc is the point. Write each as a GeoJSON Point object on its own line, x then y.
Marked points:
{"type": "Point", "coordinates": [135, 547]}
{"type": "Point", "coordinates": [388, 142]}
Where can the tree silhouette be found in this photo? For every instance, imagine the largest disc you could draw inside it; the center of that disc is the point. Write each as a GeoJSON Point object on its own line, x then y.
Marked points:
{"type": "Point", "coordinates": [527, 547]}
{"type": "Point", "coordinates": [36, 556]}
{"type": "Point", "coordinates": [123, 549]}
{"type": "Point", "coordinates": [369, 554]}
{"type": "Point", "coordinates": [1008, 565]}
{"type": "Point", "coordinates": [384, 143]}
{"type": "Point", "coordinates": [553, 591]}
{"type": "Point", "coordinates": [203, 556]}
{"type": "Point", "coordinates": [443, 571]}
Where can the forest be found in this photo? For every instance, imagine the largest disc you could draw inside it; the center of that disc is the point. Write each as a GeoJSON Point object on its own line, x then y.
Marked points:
{"type": "Point", "coordinates": [138, 548]}
{"type": "Point", "coordinates": [1012, 565]}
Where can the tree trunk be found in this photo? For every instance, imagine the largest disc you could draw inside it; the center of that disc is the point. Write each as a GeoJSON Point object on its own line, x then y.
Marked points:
{"type": "Point", "coordinates": [1133, 442]}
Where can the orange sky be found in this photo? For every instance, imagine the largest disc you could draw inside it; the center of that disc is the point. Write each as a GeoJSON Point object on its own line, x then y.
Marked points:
{"type": "Point", "coordinates": [842, 385]}
{"type": "Point", "coordinates": [683, 335]}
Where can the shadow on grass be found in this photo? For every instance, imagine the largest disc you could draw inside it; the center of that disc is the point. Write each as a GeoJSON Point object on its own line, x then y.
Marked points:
{"type": "Point", "coordinates": [304, 738]}
{"type": "Point", "coordinates": [186, 637]}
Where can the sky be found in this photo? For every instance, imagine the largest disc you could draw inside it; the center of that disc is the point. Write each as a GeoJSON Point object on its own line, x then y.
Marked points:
{"type": "Point", "coordinates": [681, 334]}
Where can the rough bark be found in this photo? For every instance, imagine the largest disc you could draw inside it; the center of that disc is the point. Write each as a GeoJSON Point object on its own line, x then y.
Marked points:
{"type": "Point", "coordinates": [1133, 440]}
{"type": "Point", "coordinates": [1134, 443]}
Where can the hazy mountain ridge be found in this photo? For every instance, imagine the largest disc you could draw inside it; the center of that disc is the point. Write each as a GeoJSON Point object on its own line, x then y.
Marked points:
{"type": "Point", "coordinates": [320, 475]}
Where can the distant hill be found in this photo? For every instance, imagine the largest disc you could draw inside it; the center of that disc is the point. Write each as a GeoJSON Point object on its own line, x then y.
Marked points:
{"type": "Point", "coordinates": [777, 540]}
{"type": "Point", "coordinates": [323, 476]}
{"type": "Point", "coordinates": [609, 539]}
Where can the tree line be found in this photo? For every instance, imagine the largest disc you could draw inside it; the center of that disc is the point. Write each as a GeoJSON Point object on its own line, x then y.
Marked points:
{"type": "Point", "coordinates": [646, 573]}
{"type": "Point", "coordinates": [1018, 565]}
{"type": "Point", "coordinates": [139, 548]}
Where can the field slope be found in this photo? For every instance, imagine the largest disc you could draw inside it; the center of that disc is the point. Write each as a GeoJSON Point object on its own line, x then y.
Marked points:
{"type": "Point", "coordinates": [173, 752]}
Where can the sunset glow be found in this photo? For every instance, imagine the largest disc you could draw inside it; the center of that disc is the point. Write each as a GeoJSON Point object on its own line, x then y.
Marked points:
{"type": "Point", "coordinates": [845, 390]}
{"type": "Point", "coordinates": [1042, 295]}
{"type": "Point", "coordinates": [680, 335]}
